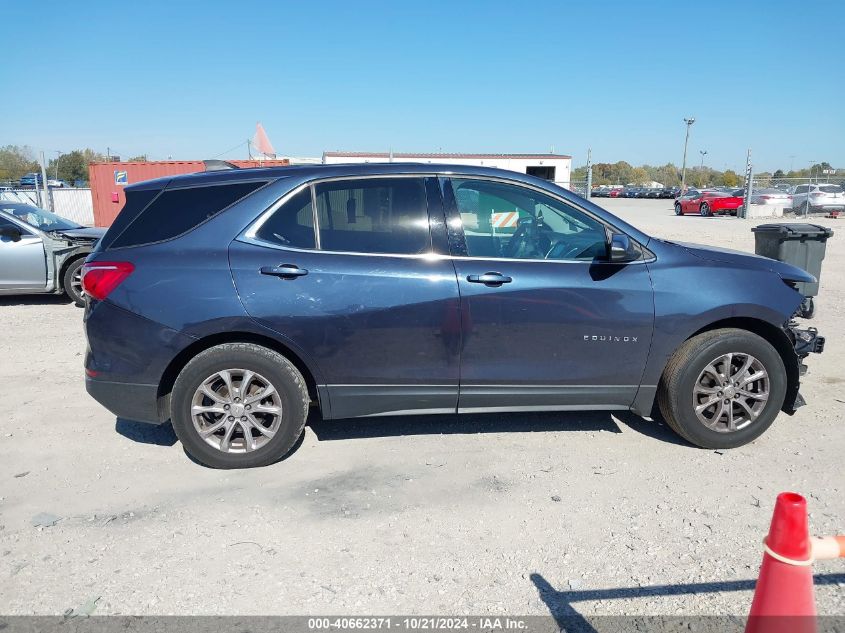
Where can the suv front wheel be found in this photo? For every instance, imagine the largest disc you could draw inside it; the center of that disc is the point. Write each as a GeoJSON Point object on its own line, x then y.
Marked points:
{"type": "Point", "coordinates": [239, 405]}
{"type": "Point", "coordinates": [723, 388]}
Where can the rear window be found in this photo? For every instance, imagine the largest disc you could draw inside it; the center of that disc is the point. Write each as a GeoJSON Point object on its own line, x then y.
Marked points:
{"type": "Point", "coordinates": [373, 215]}
{"type": "Point", "coordinates": [177, 211]}
{"type": "Point", "coordinates": [135, 203]}
{"type": "Point", "coordinates": [830, 189]}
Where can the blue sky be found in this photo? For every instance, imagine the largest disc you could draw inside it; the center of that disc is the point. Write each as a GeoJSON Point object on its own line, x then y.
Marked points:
{"type": "Point", "coordinates": [190, 79]}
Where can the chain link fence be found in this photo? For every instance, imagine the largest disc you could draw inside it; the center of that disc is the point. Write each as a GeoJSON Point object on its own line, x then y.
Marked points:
{"type": "Point", "coordinates": [75, 205]}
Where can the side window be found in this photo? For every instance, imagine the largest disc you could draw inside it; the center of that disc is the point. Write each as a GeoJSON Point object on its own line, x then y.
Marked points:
{"type": "Point", "coordinates": [292, 224]}
{"type": "Point", "coordinates": [373, 215]}
{"type": "Point", "coordinates": [504, 220]}
{"type": "Point", "coordinates": [4, 224]}
{"type": "Point", "coordinates": [177, 211]}
{"type": "Point", "coordinates": [801, 189]}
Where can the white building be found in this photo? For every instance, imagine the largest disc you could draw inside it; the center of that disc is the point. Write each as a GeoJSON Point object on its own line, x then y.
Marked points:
{"type": "Point", "coordinates": [554, 167]}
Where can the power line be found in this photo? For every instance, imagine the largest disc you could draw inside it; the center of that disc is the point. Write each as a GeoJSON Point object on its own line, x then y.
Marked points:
{"type": "Point", "coordinates": [231, 149]}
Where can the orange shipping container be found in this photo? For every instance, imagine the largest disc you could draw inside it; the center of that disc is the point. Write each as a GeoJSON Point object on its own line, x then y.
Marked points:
{"type": "Point", "coordinates": [109, 179]}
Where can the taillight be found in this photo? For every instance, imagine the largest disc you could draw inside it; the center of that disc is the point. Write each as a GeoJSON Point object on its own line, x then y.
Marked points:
{"type": "Point", "coordinates": [100, 278]}
{"type": "Point", "coordinates": [817, 193]}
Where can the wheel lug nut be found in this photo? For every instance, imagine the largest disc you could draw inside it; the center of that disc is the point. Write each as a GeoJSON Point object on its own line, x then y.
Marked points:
{"type": "Point", "coordinates": [727, 401]}
{"type": "Point", "coordinates": [226, 407]}
{"type": "Point", "coordinates": [243, 418]}
{"type": "Point", "coordinates": [237, 399]}
{"type": "Point", "coordinates": [248, 407]}
{"type": "Point", "coordinates": [231, 418]}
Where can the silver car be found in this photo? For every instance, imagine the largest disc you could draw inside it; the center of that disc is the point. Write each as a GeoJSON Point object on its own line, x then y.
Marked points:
{"type": "Point", "coordinates": [818, 197]}
{"type": "Point", "coordinates": [41, 252]}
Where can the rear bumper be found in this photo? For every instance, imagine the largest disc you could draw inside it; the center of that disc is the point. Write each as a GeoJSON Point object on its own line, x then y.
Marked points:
{"type": "Point", "coordinates": [126, 400]}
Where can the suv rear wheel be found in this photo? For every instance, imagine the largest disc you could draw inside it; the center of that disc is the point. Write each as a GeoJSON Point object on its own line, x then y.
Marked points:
{"type": "Point", "coordinates": [723, 388]}
{"type": "Point", "coordinates": [239, 405]}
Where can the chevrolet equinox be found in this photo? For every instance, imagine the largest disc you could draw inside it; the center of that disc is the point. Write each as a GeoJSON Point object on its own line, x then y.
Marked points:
{"type": "Point", "coordinates": [229, 302]}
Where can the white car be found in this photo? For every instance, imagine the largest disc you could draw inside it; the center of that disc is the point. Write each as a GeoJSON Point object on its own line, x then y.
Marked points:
{"type": "Point", "coordinates": [818, 197]}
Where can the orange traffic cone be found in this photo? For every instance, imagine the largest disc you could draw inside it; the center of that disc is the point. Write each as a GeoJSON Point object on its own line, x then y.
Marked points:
{"type": "Point", "coordinates": [783, 597]}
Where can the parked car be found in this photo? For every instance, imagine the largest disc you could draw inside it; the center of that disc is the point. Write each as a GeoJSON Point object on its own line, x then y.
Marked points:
{"type": "Point", "coordinates": [29, 180]}
{"type": "Point", "coordinates": [707, 203]}
{"type": "Point", "coordinates": [41, 252]}
{"type": "Point", "coordinates": [375, 289]}
{"type": "Point", "coordinates": [616, 192]}
{"type": "Point", "coordinates": [670, 192]}
{"type": "Point", "coordinates": [654, 192]}
{"type": "Point", "coordinates": [54, 183]}
{"type": "Point", "coordinates": [818, 197]}
{"type": "Point", "coordinates": [767, 195]}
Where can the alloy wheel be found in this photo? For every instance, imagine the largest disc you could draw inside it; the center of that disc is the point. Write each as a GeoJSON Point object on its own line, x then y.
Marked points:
{"type": "Point", "coordinates": [236, 410]}
{"type": "Point", "coordinates": [731, 392]}
{"type": "Point", "coordinates": [76, 282]}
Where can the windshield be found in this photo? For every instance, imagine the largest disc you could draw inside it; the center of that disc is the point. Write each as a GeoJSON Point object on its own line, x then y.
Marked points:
{"type": "Point", "coordinates": [39, 218]}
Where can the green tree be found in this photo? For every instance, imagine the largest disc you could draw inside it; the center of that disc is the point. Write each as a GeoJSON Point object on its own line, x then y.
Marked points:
{"type": "Point", "coordinates": [73, 166]}
{"type": "Point", "coordinates": [15, 161]}
{"type": "Point", "coordinates": [730, 178]}
{"type": "Point", "coordinates": [778, 174]}
{"type": "Point", "coordinates": [639, 175]}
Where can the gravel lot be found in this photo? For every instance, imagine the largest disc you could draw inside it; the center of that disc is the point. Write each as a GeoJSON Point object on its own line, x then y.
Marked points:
{"type": "Point", "coordinates": [498, 514]}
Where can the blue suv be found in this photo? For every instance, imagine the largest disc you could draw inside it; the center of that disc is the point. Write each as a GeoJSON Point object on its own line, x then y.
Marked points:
{"type": "Point", "coordinates": [232, 301]}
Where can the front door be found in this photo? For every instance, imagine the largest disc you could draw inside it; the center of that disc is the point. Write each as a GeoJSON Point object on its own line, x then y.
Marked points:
{"type": "Point", "coordinates": [22, 261]}
{"type": "Point", "coordinates": [363, 296]}
{"type": "Point", "coordinates": [548, 324]}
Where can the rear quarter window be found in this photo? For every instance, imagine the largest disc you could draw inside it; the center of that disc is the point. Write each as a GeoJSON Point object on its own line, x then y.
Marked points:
{"type": "Point", "coordinates": [176, 211]}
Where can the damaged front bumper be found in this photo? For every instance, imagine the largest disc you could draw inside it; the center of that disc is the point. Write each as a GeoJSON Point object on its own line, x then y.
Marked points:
{"type": "Point", "coordinates": [804, 342]}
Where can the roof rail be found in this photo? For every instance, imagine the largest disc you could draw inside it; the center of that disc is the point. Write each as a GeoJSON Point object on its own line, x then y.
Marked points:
{"type": "Point", "coordinates": [218, 165]}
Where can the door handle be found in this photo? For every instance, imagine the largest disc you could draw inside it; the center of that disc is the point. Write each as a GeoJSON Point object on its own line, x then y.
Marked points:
{"type": "Point", "coordinates": [489, 279]}
{"type": "Point", "coordinates": [285, 271]}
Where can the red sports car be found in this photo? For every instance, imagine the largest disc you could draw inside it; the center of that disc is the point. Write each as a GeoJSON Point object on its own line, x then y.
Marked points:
{"type": "Point", "coordinates": [707, 203]}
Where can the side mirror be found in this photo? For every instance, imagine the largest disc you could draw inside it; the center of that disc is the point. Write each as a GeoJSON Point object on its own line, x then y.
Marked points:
{"type": "Point", "coordinates": [623, 249]}
{"type": "Point", "coordinates": [12, 232]}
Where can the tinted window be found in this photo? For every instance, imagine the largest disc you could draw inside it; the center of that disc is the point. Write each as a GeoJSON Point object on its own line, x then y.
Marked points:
{"type": "Point", "coordinates": [502, 220]}
{"type": "Point", "coordinates": [377, 215]}
{"type": "Point", "coordinates": [292, 224]}
{"type": "Point", "coordinates": [135, 203]}
{"type": "Point", "coordinates": [801, 189]}
{"type": "Point", "coordinates": [830, 189]}
{"type": "Point", "coordinates": [177, 211]}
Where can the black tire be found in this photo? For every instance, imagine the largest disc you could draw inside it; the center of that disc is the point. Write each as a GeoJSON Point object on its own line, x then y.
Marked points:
{"type": "Point", "coordinates": [674, 395]}
{"type": "Point", "coordinates": [704, 210]}
{"type": "Point", "coordinates": [278, 370]}
{"type": "Point", "coordinates": [678, 209]}
{"type": "Point", "coordinates": [73, 290]}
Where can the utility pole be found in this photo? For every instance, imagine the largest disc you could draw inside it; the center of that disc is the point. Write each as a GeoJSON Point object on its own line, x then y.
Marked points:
{"type": "Point", "coordinates": [58, 157]}
{"type": "Point", "coordinates": [749, 185]}
{"type": "Point", "coordinates": [249, 149]}
{"type": "Point", "coordinates": [589, 173]}
{"type": "Point", "coordinates": [689, 123]}
{"type": "Point", "coordinates": [46, 202]}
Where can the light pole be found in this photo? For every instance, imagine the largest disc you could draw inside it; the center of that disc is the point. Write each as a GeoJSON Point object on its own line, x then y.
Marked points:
{"type": "Point", "coordinates": [58, 158]}
{"type": "Point", "coordinates": [689, 123]}
{"type": "Point", "coordinates": [703, 153]}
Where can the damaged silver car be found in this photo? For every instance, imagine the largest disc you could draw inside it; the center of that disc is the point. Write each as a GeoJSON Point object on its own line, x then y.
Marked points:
{"type": "Point", "coordinates": [41, 252]}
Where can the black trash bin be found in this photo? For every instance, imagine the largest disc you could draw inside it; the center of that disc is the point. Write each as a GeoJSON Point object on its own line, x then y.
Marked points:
{"type": "Point", "coordinates": [802, 245]}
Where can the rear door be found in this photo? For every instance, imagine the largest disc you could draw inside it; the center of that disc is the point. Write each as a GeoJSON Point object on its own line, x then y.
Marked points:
{"type": "Point", "coordinates": [347, 272]}
{"type": "Point", "coordinates": [547, 322]}
{"type": "Point", "coordinates": [23, 264]}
